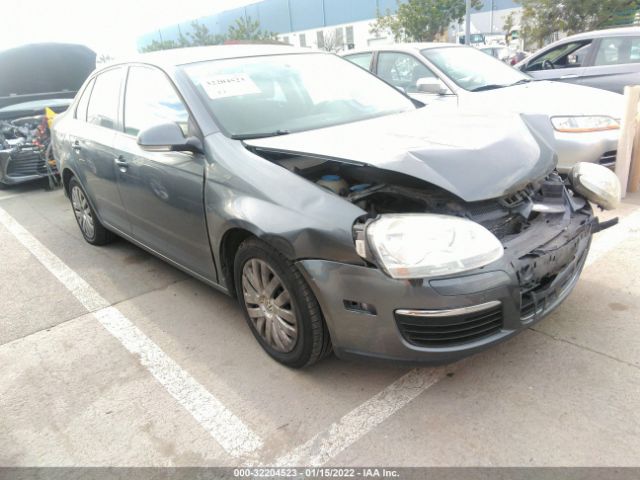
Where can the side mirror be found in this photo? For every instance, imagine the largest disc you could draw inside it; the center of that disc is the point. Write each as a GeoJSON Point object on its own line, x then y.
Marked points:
{"type": "Point", "coordinates": [168, 137]}
{"type": "Point", "coordinates": [431, 85]}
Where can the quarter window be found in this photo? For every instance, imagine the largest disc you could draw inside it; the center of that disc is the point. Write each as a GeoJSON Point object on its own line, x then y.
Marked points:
{"type": "Point", "coordinates": [150, 100]}
{"type": "Point", "coordinates": [618, 50]}
{"type": "Point", "coordinates": [105, 98]}
{"type": "Point", "coordinates": [81, 109]}
{"type": "Point", "coordinates": [402, 70]}
{"type": "Point", "coordinates": [361, 59]}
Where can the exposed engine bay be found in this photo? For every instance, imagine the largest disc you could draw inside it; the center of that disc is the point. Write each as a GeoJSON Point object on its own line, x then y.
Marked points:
{"type": "Point", "coordinates": [378, 191]}
{"type": "Point", "coordinates": [24, 149]}
{"type": "Point", "coordinates": [545, 227]}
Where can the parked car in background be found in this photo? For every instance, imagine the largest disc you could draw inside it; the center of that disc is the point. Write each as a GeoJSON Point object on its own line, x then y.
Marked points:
{"type": "Point", "coordinates": [337, 211]}
{"type": "Point", "coordinates": [500, 52]}
{"type": "Point", "coordinates": [585, 120]}
{"type": "Point", "coordinates": [606, 59]}
{"type": "Point", "coordinates": [32, 78]}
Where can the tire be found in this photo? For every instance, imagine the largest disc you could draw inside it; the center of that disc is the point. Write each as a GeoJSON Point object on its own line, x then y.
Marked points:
{"type": "Point", "coordinates": [291, 305]}
{"type": "Point", "coordinates": [90, 227]}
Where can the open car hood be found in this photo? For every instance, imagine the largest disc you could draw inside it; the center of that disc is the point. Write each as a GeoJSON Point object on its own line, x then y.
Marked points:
{"type": "Point", "coordinates": [43, 71]}
{"type": "Point", "coordinates": [475, 157]}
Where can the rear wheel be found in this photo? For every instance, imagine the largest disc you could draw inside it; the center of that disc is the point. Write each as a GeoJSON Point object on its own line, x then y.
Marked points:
{"type": "Point", "coordinates": [90, 227]}
{"type": "Point", "coordinates": [279, 307]}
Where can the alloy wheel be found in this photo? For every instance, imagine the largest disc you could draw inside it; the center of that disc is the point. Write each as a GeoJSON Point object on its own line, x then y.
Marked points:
{"type": "Point", "coordinates": [82, 211]}
{"type": "Point", "coordinates": [269, 306]}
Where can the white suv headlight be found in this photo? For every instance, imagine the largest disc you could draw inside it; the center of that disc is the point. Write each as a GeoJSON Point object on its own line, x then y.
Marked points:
{"type": "Point", "coordinates": [426, 245]}
{"type": "Point", "coordinates": [584, 124]}
{"type": "Point", "coordinates": [597, 184]}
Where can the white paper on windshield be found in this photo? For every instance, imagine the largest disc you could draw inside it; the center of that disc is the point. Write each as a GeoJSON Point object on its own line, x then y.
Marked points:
{"type": "Point", "coordinates": [229, 85]}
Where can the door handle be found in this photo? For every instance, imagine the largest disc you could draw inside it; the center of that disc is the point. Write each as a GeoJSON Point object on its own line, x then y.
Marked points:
{"type": "Point", "coordinates": [76, 146]}
{"type": "Point", "coordinates": [121, 163]}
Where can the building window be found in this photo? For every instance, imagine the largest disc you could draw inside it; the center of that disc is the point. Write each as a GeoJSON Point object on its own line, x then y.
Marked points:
{"type": "Point", "coordinates": [339, 37]}
{"type": "Point", "coordinates": [350, 41]}
{"type": "Point", "coordinates": [303, 40]}
{"type": "Point", "coordinates": [320, 38]}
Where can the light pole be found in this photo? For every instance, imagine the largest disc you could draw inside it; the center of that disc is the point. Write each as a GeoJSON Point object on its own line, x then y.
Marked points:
{"type": "Point", "coordinates": [467, 26]}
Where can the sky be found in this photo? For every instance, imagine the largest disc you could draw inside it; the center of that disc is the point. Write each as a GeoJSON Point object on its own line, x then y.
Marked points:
{"type": "Point", "coordinates": [107, 26]}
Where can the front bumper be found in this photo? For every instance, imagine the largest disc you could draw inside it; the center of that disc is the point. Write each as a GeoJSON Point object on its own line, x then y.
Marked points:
{"type": "Point", "coordinates": [22, 166]}
{"type": "Point", "coordinates": [370, 314]}
{"type": "Point", "coordinates": [592, 147]}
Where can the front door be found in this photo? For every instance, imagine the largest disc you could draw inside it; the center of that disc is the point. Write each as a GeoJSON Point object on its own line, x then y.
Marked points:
{"type": "Point", "coordinates": [162, 191]}
{"type": "Point", "coordinates": [565, 62]}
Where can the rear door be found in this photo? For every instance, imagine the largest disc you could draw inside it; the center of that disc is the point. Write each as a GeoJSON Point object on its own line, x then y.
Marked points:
{"type": "Point", "coordinates": [93, 147]}
{"type": "Point", "coordinates": [616, 64]}
{"type": "Point", "coordinates": [565, 62]}
{"type": "Point", "coordinates": [162, 191]}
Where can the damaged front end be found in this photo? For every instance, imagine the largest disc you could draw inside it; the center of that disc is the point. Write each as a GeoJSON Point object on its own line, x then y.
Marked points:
{"type": "Point", "coordinates": [24, 151]}
{"type": "Point", "coordinates": [544, 230]}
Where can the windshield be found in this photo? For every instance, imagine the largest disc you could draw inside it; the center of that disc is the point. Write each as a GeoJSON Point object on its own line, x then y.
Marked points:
{"type": "Point", "coordinates": [472, 69]}
{"type": "Point", "coordinates": [278, 94]}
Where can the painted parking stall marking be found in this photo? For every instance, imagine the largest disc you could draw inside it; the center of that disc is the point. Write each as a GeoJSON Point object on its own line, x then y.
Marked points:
{"type": "Point", "coordinates": [325, 445]}
{"type": "Point", "coordinates": [229, 431]}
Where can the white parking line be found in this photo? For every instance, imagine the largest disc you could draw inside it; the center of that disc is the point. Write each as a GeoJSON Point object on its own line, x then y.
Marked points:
{"type": "Point", "coordinates": [7, 197]}
{"type": "Point", "coordinates": [229, 431]}
{"type": "Point", "coordinates": [325, 445]}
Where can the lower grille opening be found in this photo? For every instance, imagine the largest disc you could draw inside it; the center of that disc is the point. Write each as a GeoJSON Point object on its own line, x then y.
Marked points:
{"type": "Point", "coordinates": [608, 159]}
{"type": "Point", "coordinates": [450, 330]}
{"type": "Point", "coordinates": [26, 163]}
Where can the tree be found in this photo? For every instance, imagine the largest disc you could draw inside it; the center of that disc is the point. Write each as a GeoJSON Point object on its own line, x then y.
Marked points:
{"type": "Point", "coordinates": [200, 36]}
{"type": "Point", "coordinates": [542, 18]}
{"type": "Point", "coordinates": [422, 20]}
{"type": "Point", "coordinates": [329, 42]}
{"type": "Point", "coordinates": [247, 29]}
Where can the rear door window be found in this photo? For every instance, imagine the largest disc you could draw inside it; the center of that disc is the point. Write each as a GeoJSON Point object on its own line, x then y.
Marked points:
{"type": "Point", "coordinates": [105, 99]}
{"type": "Point", "coordinates": [150, 100]}
{"type": "Point", "coordinates": [618, 51]}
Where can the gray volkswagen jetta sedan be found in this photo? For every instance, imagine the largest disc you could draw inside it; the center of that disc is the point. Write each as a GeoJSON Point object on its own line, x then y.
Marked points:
{"type": "Point", "coordinates": [341, 214]}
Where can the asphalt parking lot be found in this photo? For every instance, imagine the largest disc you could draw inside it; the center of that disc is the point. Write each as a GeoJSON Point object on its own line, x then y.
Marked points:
{"type": "Point", "coordinates": [110, 357]}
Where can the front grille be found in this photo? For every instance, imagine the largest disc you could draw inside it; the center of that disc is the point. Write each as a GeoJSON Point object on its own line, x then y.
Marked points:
{"type": "Point", "coordinates": [609, 158]}
{"type": "Point", "coordinates": [429, 331]}
{"type": "Point", "coordinates": [26, 162]}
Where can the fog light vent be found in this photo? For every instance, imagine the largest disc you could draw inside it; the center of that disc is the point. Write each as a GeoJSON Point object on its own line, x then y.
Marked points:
{"type": "Point", "coordinates": [360, 307]}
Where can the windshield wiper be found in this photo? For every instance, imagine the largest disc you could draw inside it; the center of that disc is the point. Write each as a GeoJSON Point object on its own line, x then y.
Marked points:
{"type": "Point", "coordinates": [250, 136]}
{"type": "Point", "coordinates": [488, 87]}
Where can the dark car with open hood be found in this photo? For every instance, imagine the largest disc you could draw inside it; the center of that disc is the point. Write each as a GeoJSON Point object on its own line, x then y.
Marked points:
{"type": "Point", "coordinates": [34, 77]}
{"type": "Point", "coordinates": [339, 212]}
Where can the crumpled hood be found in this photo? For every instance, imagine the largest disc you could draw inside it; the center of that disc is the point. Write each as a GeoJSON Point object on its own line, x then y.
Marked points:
{"type": "Point", "coordinates": [475, 157]}
{"type": "Point", "coordinates": [550, 98]}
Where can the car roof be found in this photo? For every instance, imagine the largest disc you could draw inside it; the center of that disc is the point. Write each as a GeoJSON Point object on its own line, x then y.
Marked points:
{"type": "Point", "coordinates": [184, 56]}
{"type": "Point", "coordinates": [402, 47]}
{"type": "Point", "coordinates": [610, 32]}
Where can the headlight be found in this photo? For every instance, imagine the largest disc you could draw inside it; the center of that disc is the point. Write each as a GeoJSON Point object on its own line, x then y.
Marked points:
{"type": "Point", "coordinates": [425, 245]}
{"type": "Point", "coordinates": [584, 124]}
{"type": "Point", "coordinates": [596, 183]}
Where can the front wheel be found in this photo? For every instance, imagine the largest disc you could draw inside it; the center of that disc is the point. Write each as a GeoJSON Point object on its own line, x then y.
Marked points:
{"type": "Point", "coordinates": [279, 306]}
{"type": "Point", "coordinates": [90, 227]}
